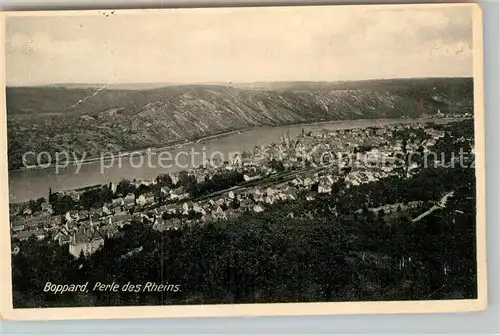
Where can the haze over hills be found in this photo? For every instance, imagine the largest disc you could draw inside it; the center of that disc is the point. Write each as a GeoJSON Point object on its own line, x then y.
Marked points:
{"type": "Point", "coordinates": [103, 118]}
{"type": "Point", "coordinates": [121, 86]}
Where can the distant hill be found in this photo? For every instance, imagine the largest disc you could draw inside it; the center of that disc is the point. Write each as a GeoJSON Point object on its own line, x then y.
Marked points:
{"type": "Point", "coordinates": [121, 86]}
{"type": "Point", "coordinates": [97, 118]}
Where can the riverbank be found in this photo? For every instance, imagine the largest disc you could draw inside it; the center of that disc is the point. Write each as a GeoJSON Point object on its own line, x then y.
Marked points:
{"type": "Point", "coordinates": [139, 152]}
{"type": "Point", "coordinates": [32, 184]}
{"type": "Point", "coordinates": [180, 144]}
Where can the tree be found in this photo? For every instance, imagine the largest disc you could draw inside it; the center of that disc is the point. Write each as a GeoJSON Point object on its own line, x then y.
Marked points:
{"type": "Point", "coordinates": [327, 250]}
{"type": "Point", "coordinates": [276, 165]}
{"type": "Point", "coordinates": [125, 187]}
{"type": "Point", "coordinates": [63, 205]}
{"type": "Point", "coordinates": [164, 179]}
{"type": "Point", "coordinates": [36, 206]}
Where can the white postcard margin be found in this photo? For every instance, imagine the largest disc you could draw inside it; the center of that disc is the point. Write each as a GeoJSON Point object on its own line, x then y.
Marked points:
{"type": "Point", "coordinates": [7, 312]}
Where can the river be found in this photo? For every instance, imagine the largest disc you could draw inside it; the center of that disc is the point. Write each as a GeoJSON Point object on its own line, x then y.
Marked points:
{"type": "Point", "coordinates": [32, 184]}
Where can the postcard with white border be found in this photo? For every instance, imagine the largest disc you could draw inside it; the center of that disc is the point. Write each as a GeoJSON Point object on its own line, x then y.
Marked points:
{"type": "Point", "coordinates": [286, 160]}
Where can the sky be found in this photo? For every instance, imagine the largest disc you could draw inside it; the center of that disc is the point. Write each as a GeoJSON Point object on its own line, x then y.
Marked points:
{"type": "Point", "coordinates": [314, 43]}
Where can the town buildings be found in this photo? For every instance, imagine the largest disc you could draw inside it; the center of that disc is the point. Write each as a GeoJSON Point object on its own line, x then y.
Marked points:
{"type": "Point", "coordinates": [306, 166]}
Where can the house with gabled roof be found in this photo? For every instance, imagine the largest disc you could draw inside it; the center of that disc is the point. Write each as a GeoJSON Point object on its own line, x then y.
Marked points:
{"type": "Point", "coordinates": [186, 207]}
{"type": "Point", "coordinates": [119, 218]}
{"type": "Point", "coordinates": [219, 213]}
{"type": "Point", "coordinates": [26, 234]}
{"type": "Point", "coordinates": [258, 209]}
{"type": "Point", "coordinates": [269, 200]}
{"type": "Point", "coordinates": [250, 176]}
{"type": "Point", "coordinates": [129, 201]}
{"type": "Point", "coordinates": [47, 207]}
{"type": "Point", "coordinates": [17, 225]}
{"type": "Point", "coordinates": [117, 202]}
{"type": "Point", "coordinates": [83, 215]}
{"type": "Point", "coordinates": [107, 209]}
{"type": "Point", "coordinates": [86, 241]}
{"type": "Point", "coordinates": [145, 199]}
{"type": "Point", "coordinates": [257, 195]}
{"type": "Point", "coordinates": [62, 237]}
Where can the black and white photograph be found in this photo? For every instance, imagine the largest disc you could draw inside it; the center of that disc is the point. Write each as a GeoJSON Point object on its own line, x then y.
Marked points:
{"type": "Point", "coordinates": [233, 160]}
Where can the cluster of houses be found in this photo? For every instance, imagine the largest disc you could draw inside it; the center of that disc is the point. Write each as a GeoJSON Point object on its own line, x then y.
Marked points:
{"type": "Point", "coordinates": [326, 146]}
{"type": "Point", "coordinates": [394, 208]}
{"type": "Point", "coordinates": [85, 230]}
{"type": "Point", "coordinates": [441, 114]}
